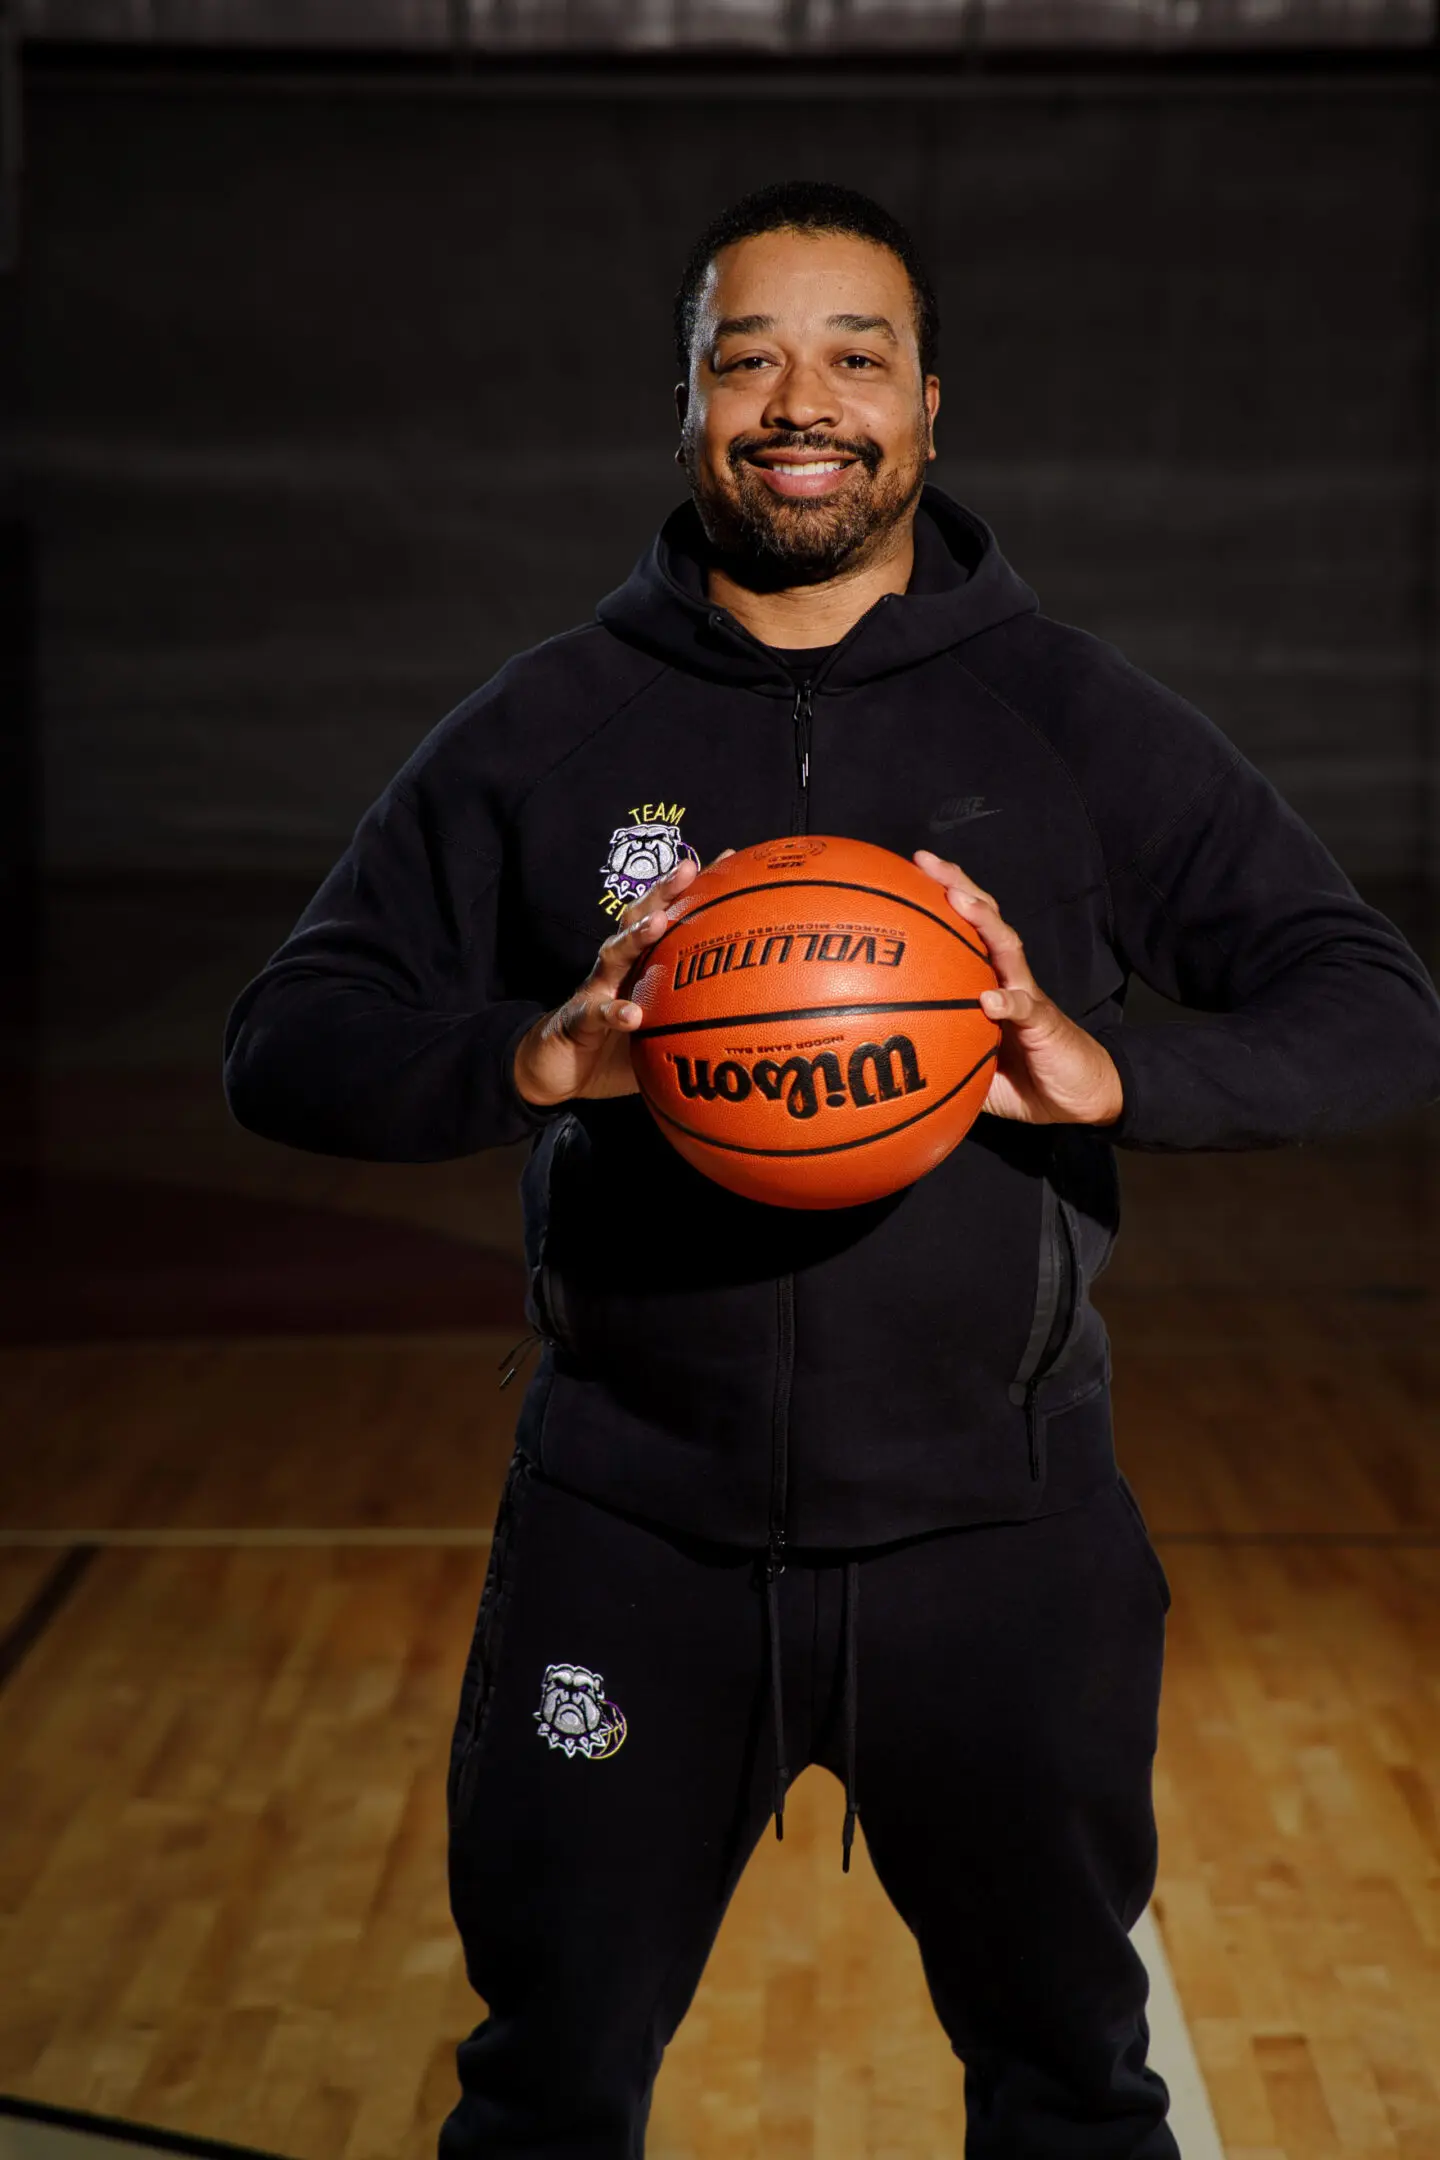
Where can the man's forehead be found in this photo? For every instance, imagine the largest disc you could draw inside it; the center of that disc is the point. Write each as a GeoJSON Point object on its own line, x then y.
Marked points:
{"type": "Point", "coordinates": [784, 275]}
{"type": "Point", "coordinates": [847, 319]}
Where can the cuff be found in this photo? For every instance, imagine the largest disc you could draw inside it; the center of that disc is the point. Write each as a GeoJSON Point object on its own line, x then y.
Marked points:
{"type": "Point", "coordinates": [1121, 1129]}
{"type": "Point", "coordinates": [527, 1117]}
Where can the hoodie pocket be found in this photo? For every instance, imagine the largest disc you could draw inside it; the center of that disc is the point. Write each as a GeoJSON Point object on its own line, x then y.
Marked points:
{"type": "Point", "coordinates": [1056, 1298]}
{"type": "Point", "coordinates": [547, 1296]}
{"type": "Point", "coordinates": [1152, 1558]}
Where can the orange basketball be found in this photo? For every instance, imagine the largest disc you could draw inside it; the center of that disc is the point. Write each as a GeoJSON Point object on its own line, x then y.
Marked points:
{"type": "Point", "coordinates": [813, 1034]}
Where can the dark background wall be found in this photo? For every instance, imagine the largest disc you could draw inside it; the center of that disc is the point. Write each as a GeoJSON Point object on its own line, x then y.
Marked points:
{"type": "Point", "coordinates": [338, 397]}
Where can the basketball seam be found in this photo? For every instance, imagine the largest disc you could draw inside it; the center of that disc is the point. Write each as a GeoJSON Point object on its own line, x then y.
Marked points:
{"type": "Point", "coordinates": [876, 892]}
{"type": "Point", "coordinates": [834, 1147]}
{"type": "Point", "coordinates": [808, 1012]}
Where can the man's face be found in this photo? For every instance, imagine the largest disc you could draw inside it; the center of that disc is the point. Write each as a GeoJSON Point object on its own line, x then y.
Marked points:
{"type": "Point", "coordinates": [806, 425]}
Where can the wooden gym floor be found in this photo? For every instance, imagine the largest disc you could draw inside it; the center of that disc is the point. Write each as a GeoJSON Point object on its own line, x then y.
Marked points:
{"type": "Point", "coordinates": [260, 1520]}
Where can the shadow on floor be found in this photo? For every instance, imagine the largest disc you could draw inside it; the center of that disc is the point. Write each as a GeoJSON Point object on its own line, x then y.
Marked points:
{"type": "Point", "coordinates": [103, 1259]}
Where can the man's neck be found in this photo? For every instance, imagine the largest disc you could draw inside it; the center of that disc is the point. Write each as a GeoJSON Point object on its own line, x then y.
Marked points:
{"type": "Point", "coordinates": [812, 615]}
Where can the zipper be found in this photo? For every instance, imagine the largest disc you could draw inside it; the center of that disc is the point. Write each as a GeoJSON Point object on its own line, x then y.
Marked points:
{"type": "Point", "coordinates": [803, 721]}
{"type": "Point", "coordinates": [803, 713]}
{"type": "Point", "coordinates": [1050, 1325]}
{"type": "Point", "coordinates": [780, 1425]}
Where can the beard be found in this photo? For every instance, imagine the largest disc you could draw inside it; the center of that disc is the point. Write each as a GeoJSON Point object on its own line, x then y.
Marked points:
{"type": "Point", "coordinates": [769, 542]}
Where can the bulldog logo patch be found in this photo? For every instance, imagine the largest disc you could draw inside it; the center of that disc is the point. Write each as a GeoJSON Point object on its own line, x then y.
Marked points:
{"type": "Point", "coordinates": [576, 1716]}
{"type": "Point", "coordinates": [646, 849]}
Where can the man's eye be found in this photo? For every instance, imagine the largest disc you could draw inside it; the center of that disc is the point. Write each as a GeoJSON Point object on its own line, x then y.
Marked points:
{"type": "Point", "coordinates": [859, 359]}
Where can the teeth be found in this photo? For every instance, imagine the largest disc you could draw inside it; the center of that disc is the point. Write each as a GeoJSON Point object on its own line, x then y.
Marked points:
{"type": "Point", "coordinates": [813, 466]}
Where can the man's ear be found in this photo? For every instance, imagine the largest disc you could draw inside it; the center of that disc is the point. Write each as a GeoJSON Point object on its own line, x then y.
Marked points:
{"type": "Point", "coordinates": [682, 407]}
{"type": "Point", "coordinates": [932, 405]}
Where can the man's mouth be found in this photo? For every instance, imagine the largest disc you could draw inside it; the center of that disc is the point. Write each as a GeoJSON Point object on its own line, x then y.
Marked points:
{"type": "Point", "coordinates": [795, 473]}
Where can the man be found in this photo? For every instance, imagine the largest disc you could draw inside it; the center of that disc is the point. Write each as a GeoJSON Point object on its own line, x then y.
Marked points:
{"type": "Point", "coordinates": [833, 1487]}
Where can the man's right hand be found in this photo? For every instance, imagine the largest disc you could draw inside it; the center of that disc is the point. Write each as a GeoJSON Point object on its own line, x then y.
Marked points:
{"type": "Point", "coordinates": [581, 1048]}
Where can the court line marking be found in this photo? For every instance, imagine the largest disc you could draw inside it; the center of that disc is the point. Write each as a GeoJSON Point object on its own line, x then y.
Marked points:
{"type": "Point", "coordinates": [1419, 1540]}
{"type": "Point", "coordinates": [43, 1605]}
{"type": "Point", "coordinates": [475, 1538]}
{"type": "Point", "coordinates": [64, 2132]}
{"type": "Point", "coordinates": [262, 1538]}
{"type": "Point", "coordinates": [1172, 2052]}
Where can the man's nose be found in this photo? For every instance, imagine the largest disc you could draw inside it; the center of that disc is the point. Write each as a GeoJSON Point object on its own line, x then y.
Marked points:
{"type": "Point", "coordinates": [803, 397]}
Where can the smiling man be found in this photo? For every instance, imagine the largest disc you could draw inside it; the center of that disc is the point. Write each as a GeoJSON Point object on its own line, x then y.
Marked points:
{"type": "Point", "coordinates": [835, 1488]}
{"type": "Point", "coordinates": [800, 500]}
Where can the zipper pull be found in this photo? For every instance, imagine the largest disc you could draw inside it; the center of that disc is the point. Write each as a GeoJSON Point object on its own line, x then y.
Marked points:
{"type": "Point", "coordinates": [803, 718]}
{"type": "Point", "coordinates": [775, 1556]}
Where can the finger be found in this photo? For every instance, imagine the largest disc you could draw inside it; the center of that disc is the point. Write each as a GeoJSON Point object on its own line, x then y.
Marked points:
{"type": "Point", "coordinates": [1002, 944]}
{"type": "Point", "coordinates": [723, 856]}
{"type": "Point", "coordinates": [663, 890]}
{"type": "Point", "coordinates": [620, 1014]}
{"type": "Point", "coordinates": [950, 875]}
{"type": "Point", "coordinates": [623, 948]}
{"type": "Point", "coordinates": [587, 1016]}
{"type": "Point", "coordinates": [644, 921]}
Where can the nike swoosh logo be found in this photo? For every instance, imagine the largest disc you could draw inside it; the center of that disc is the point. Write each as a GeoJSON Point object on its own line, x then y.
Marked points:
{"type": "Point", "coordinates": [969, 817]}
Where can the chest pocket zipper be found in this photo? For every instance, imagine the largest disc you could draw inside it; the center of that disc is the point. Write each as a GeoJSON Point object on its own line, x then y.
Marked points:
{"type": "Point", "coordinates": [1055, 1291]}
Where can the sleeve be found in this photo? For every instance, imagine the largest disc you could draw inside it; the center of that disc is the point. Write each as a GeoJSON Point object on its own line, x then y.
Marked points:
{"type": "Point", "coordinates": [382, 1028]}
{"type": "Point", "coordinates": [1320, 1018]}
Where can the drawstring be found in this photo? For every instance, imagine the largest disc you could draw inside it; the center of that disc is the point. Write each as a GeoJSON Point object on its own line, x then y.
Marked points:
{"type": "Point", "coordinates": [773, 1568]}
{"type": "Point", "coordinates": [851, 1692]}
{"type": "Point", "coordinates": [516, 1358]}
{"type": "Point", "coordinates": [849, 1696]}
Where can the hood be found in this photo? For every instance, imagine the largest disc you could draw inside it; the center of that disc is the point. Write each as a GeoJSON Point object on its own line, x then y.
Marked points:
{"type": "Point", "coordinates": [961, 584]}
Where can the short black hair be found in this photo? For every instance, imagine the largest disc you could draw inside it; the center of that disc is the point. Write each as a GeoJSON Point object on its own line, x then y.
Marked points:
{"type": "Point", "coordinates": [817, 206]}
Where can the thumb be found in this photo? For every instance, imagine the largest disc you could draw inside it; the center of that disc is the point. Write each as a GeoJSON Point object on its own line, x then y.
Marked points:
{"type": "Point", "coordinates": [1021, 1006]}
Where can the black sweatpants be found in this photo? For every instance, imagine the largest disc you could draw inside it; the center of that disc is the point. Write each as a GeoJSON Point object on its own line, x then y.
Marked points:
{"type": "Point", "coordinates": [614, 1765]}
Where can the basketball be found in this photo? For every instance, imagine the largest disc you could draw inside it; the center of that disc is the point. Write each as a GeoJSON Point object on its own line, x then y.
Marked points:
{"type": "Point", "coordinates": [812, 1031]}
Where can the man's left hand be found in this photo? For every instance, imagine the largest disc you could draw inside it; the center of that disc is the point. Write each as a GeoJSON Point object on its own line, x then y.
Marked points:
{"type": "Point", "coordinates": [1049, 1071]}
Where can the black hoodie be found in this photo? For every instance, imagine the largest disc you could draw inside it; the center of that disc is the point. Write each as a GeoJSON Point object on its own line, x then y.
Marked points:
{"type": "Point", "coordinates": [758, 1374]}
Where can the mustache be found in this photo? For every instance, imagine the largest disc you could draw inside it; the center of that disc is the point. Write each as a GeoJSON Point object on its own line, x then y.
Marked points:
{"type": "Point", "coordinates": [861, 448]}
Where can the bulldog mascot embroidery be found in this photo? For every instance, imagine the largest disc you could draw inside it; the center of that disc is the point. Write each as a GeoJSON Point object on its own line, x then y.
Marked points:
{"type": "Point", "coordinates": [576, 1716]}
{"type": "Point", "coordinates": [640, 853]}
